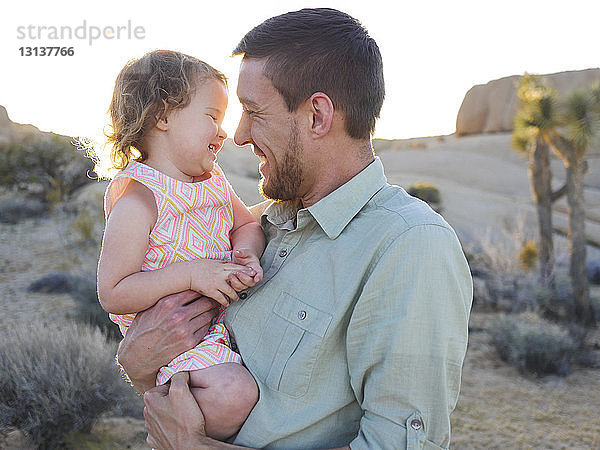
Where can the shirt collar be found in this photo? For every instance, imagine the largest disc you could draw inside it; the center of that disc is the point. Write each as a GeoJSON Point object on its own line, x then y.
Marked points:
{"type": "Point", "coordinates": [337, 209]}
{"type": "Point", "coordinates": [281, 214]}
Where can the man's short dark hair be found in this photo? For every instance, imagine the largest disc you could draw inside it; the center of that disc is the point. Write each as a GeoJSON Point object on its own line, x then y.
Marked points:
{"type": "Point", "coordinates": [322, 50]}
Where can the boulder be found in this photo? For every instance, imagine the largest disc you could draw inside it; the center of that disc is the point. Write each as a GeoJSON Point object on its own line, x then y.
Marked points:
{"type": "Point", "coordinates": [20, 133]}
{"type": "Point", "coordinates": [7, 132]}
{"type": "Point", "coordinates": [4, 120]}
{"type": "Point", "coordinates": [491, 107]}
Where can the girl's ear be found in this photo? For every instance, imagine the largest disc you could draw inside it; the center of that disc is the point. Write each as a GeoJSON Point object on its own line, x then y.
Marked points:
{"type": "Point", "coordinates": [321, 110]}
{"type": "Point", "coordinates": [162, 118]}
{"type": "Point", "coordinates": [162, 123]}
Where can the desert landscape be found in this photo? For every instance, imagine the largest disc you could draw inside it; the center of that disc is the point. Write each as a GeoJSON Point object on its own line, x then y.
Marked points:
{"type": "Point", "coordinates": [485, 196]}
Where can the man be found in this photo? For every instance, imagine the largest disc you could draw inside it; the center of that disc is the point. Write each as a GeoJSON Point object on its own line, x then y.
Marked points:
{"type": "Point", "coordinates": [357, 334]}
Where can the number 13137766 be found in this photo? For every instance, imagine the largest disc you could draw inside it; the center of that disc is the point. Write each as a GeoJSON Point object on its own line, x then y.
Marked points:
{"type": "Point", "coordinates": [47, 51]}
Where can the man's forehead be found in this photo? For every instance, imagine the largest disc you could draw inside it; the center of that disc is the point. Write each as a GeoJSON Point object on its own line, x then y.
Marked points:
{"type": "Point", "coordinates": [252, 66]}
{"type": "Point", "coordinates": [252, 81]}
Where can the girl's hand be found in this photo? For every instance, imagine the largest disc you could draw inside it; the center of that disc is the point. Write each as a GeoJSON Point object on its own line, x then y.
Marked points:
{"type": "Point", "coordinates": [241, 280]}
{"type": "Point", "coordinates": [209, 277]}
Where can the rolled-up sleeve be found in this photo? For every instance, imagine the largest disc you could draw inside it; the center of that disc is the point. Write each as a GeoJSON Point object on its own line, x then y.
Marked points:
{"type": "Point", "coordinates": [407, 339]}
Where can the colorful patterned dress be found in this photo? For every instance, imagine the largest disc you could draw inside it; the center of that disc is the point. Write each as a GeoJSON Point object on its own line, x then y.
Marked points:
{"type": "Point", "coordinates": [194, 221]}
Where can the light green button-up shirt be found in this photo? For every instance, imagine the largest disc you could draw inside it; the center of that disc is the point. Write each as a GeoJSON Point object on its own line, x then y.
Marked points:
{"type": "Point", "coordinates": [358, 331]}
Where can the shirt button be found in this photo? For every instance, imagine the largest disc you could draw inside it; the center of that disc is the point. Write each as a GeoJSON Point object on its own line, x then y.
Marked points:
{"type": "Point", "coordinates": [301, 315]}
{"type": "Point", "coordinates": [282, 253]}
{"type": "Point", "coordinates": [416, 424]}
{"type": "Point", "coordinates": [243, 295]}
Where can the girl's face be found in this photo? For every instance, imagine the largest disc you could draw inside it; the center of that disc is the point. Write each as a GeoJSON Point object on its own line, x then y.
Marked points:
{"type": "Point", "coordinates": [194, 133]}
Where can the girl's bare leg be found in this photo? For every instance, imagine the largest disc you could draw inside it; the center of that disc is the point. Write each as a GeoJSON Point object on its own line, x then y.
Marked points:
{"type": "Point", "coordinates": [226, 393]}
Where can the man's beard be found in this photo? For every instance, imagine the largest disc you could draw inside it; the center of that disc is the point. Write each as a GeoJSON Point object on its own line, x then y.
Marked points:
{"type": "Point", "coordinates": [285, 179]}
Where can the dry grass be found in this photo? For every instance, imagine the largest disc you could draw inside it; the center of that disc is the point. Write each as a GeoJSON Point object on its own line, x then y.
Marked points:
{"type": "Point", "coordinates": [499, 408]}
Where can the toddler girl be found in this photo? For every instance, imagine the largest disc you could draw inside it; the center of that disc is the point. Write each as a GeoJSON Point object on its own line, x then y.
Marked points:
{"type": "Point", "coordinates": [173, 222]}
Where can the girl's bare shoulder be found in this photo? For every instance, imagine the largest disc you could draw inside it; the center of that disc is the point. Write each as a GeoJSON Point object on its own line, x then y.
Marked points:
{"type": "Point", "coordinates": [137, 202]}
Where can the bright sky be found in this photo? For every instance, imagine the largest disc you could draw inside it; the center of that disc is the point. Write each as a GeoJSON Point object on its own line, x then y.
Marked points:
{"type": "Point", "coordinates": [433, 51]}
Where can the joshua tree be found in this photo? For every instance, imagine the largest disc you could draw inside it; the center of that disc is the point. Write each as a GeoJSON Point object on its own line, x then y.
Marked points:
{"type": "Point", "coordinates": [535, 117]}
{"type": "Point", "coordinates": [581, 121]}
{"type": "Point", "coordinates": [569, 128]}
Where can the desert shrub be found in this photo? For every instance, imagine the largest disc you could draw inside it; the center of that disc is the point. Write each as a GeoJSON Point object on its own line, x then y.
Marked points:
{"type": "Point", "coordinates": [18, 207]}
{"type": "Point", "coordinates": [50, 168]}
{"type": "Point", "coordinates": [496, 258]}
{"type": "Point", "coordinates": [528, 255]}
{"type": "Point", "coordinates": [593, 271]}
{"type": "Point", "coordinates": [57, 380]}
{"type": "Point", "coordinates": [56, 283]}
{"type": "Point", "coordinates": [557, 304]}
{"type": "Point", "coordinates": [85, 219]}
{"type": "Point", "coordinates": [596, 307]}
{"type": "Point", "coordinates": [425, 191]}
{"type": "Point", "coordinates": [89, 311]}
{"type": "Point", "coordinates": [84, 225]}
{"type": "Point", "coordinates": [533, 344]}
{"type": "Point", "coordinates": [83, 290]}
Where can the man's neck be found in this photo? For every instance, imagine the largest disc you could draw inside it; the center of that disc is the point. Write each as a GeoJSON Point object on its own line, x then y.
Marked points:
{"type": "Point", "coordinates": [334, 172]}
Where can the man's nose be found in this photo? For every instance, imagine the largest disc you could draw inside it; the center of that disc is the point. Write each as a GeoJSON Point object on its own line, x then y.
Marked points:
{"type": "Point", "coordinates": [242, 133]}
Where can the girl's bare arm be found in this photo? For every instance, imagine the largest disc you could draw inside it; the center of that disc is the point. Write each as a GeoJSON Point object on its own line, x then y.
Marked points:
{"type": "Point", "coordinates": [248, 243]}
{"type": "Point", "coordinates": [122, 287]}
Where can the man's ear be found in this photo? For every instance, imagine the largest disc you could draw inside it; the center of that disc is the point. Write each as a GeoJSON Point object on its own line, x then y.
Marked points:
{"type": "Point", "coordinates": [162, 118]}
{"type": "Point", "coordinates": [321, 110]}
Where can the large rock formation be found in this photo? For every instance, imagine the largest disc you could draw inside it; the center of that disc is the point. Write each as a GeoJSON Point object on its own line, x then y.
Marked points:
{"type": "Point", "coordinates": [491, 107]}
{"type": "Point", "coordinates": [6, 126]}
{"type": "Point", "coordinates": [16, 132]}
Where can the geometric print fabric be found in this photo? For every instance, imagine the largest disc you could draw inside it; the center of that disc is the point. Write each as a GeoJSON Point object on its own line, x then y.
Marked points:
{"type": "Point", "coordinates": [194, 221]}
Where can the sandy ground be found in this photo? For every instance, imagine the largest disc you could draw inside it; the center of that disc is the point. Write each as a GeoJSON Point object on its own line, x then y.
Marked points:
{"type": "Point", "coordinates": [28, 251]}
{"type": "Point", "coordinates": [482, 183]}
{"type": "Point", "coordinates": [499, 408]}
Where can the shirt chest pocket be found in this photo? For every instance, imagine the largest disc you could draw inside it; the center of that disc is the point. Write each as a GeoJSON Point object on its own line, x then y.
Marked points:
{"type": "Point", "coordinates": [289, 345]}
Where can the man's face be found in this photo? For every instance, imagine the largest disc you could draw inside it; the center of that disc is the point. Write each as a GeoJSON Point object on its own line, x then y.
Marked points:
{"type": "Point", "coordinates": [273, 132]}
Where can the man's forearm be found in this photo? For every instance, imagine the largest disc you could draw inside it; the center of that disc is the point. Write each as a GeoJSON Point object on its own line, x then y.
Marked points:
{"type": "Point", "coordinates": [141, 379]}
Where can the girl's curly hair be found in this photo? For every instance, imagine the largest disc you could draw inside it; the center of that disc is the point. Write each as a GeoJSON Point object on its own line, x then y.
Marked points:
{"type": "Point", "coordinates": [146, 89]}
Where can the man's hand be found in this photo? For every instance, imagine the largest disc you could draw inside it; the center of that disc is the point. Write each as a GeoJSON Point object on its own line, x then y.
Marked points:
{"type": "Point", "coordinates": [174, 325]}
{"type": "Point", "coordinates": [174, 419]}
